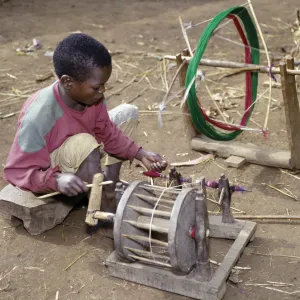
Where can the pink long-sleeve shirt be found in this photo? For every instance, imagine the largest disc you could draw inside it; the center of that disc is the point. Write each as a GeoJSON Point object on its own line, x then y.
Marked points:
{"type": "Point", "coordinates": [44, 123]}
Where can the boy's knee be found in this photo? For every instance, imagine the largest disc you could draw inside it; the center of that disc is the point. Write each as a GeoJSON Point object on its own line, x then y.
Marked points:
{"type": "Point", "coordinates": [123, 113]}
{"type": "Point", "coordinates": [131, 111]}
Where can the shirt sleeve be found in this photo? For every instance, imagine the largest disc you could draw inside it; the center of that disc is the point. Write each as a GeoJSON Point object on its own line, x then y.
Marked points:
{"type": "Point", "coordinates": [114, 140]}
{"type": "Point", "coordinates": [28, 163]}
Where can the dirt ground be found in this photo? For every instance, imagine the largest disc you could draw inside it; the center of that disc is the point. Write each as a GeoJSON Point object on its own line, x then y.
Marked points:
{"type": "Point", "coordinates": [142, 31]}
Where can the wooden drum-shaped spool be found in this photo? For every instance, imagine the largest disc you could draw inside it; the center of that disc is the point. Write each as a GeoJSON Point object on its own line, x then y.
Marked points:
{"type": "Point", "coordinates": [152, 225]}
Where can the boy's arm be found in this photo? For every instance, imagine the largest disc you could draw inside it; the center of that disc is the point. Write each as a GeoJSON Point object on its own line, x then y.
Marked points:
{"type": "Point", "coordinates": [115, 142]}
{"type": "Point", "coordinates": [28, 163]}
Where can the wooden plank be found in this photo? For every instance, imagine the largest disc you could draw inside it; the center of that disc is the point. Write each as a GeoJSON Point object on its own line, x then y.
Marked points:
{"type": "Point", "coordinates": [162, 279]}
{"type": "Point", "coordinates": [218, 229]}
{"type": "Point", "coordinates": [292, 113]}
{"type": "Point", "coordinates": [188, 124]}
{"type": "Point", "coordinates": [252, 154]}
{"type": "Point", "coordinates": [233, 255]}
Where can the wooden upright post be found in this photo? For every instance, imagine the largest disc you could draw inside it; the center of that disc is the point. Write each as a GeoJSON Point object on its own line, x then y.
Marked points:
{"type": "Point", "coordinates": [292, 113]}
{"type": "Point", "coordinates": [95, 200]}
{"type": "Point", "coordinates": [188, 124]}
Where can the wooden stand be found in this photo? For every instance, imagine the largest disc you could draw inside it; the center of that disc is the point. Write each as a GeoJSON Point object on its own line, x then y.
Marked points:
{"type": "Point", "coordinates": [254, 154]}
{"type": "Point", "coordinates": [168, 280]}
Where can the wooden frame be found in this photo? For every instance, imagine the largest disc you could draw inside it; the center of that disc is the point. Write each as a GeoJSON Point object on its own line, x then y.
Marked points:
{"type": "Point", "coordinates": [254, 154]}
{"type": "Point", "coordinates": [168, 280]}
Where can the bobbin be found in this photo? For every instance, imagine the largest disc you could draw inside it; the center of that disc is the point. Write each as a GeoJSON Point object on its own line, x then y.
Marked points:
{"type": "Point", "coordinates": [142, 216]}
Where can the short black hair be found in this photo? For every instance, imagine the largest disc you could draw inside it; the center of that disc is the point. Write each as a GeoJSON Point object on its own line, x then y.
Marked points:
{"type": "Point", "coordinates": [77, 54]}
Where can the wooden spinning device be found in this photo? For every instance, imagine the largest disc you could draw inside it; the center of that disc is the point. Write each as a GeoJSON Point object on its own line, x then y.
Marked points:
{"type": "Point", "coordinates": [161, 237]}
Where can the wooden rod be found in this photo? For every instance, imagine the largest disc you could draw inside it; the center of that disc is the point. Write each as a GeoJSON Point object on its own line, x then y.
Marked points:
{"type": "Point", "coordinates": [154, 199]}
{"type": "Point", "coordinates": [155, 262]}
{"type": "Point", "coordinates": [235, 65]}
{"type": "Point", "coordinates": [269, 217]}
{"type": "Point", "coordinates": [147, 226]}
{"type": "Point", "coordinates": [151, 188]}
{"type": "Point", "coordinates": [101, 215]}
{"type": "Point", "coordinates": [58, 193]}
{"type": "Point", "coordinates": [145, 239]}
{"type": "Point", "coordinates": [149, 211]}
{"type": "Point", "coordinates": [147, 253]}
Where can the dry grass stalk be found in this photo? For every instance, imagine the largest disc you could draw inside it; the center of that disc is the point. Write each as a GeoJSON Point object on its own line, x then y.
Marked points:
{"type": "Point", "coordinates": [72, 263]}
{"type": "Point", "coordinates": [216, 105]}
{"type": "Point", "coordinates": [270, 217]}
{"type": "Point", "coordinates": [235, 268]}
{"type": "Point", "coordinates": [117, 92]}
{"type": "Point", "coordinates": [185, 36]}
{"type": "Point", "coordinates": [10, 115]}
{"type": "Point", "coordinates": [280, 191]}
{"type": "Point", "coordinates": [285, 172]}
{"type": "Point", "coordinates": [138, 95]}
{"type": "Point", "coordinates": [276, 255]}
{"type": "Point", "coordinates": [233, 208]}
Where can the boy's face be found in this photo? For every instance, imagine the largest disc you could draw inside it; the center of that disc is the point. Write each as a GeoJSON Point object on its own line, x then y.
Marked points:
{"type": "Point", "coordinates": [90, 92]}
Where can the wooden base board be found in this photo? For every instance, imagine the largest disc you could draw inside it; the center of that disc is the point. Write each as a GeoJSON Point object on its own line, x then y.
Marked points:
{"type": "Point", "coordinates": [251, 153]}
{"type": "Point", "coordinates": [182, 284]}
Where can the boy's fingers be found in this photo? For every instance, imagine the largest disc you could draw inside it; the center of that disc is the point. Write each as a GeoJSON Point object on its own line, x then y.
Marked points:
{"type": "Point", "coordinates": [80, 184]}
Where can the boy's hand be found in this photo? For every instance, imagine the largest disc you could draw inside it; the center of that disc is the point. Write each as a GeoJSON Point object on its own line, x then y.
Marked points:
{"type": "Point", "coordinates": [152, 161]}
{"type": "Point", "coordinates": [70, 184]}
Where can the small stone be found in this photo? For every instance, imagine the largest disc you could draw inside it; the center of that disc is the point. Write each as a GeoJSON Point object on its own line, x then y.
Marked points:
{"type": "Point", "coordinates": [235, 161]}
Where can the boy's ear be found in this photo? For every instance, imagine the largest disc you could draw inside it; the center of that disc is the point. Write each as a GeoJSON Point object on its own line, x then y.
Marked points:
{"type": "Point", "coordinates": [67, 81]}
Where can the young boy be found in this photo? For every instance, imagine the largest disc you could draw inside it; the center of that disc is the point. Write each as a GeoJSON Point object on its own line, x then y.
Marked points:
{"type": "Point", "coordinates": [61, 128]}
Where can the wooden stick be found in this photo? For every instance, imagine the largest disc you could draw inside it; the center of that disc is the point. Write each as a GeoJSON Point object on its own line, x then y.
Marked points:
{"type": "Point", "coordinates": [280, 191]}
{"type": "Point", "coordinates": [145, 239]}
{"type": "Point", "coordinates": [155, 262]}
{"type": "Point", "coordinates": [276, 255]}
{"type": "Point", "coordinates": [148, 253]}
{"type": "Point", "coordinates": [235, 267]}
{"type": "Point", "coordinates": [58, 193]}
{"type": "Point", "coordinates": [269, 217]}
{"type": "Point", "coordinates": [10, 115]}
{"type": "Point", "coordinates": [147, 226]}
{"type": "Point", "coordinates": [292, 113]}
{"type": "Point", "coordinates": [149, 211]}
{"type": "Point", "coordinates": [235, 65]}
{"type": "Point", "coordinates": [297, 177]}
{"type": "Point", "coordinates": [72, 263]}
{"type": "Point", "coordinates": [216, 202]}
{"type": "Point", "coordinates": [185, 36]}
{"type": "Point", "coordinates": [154, 199]}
